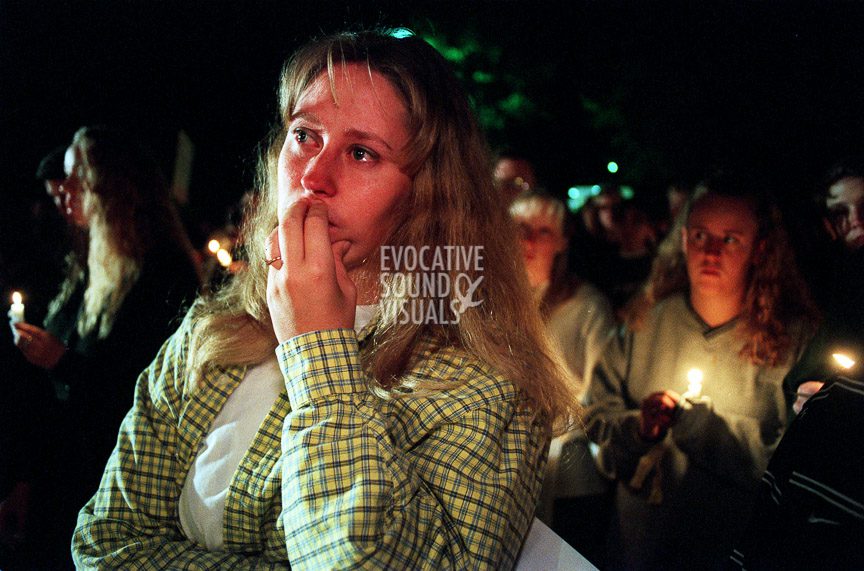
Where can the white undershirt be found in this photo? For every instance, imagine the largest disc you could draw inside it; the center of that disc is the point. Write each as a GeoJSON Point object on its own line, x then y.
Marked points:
{"type": "Point", "coordinates": [202, 500]}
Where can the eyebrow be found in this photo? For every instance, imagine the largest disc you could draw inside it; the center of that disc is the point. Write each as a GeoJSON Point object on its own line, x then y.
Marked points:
{"type": "Point", "coordinates": [366, 136]}
{"type": "Point", "coordinates": [306, 116]}
{"type": "Point", "coordinates": [725, 230]}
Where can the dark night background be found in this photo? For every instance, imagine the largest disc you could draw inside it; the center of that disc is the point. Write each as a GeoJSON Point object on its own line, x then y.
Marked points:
{"type": "Point", "coordinates": [668, 90]}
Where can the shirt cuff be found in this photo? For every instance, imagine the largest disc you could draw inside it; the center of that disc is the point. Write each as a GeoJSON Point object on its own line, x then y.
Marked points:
{"type": "Point", "coordinates": [319, 364]}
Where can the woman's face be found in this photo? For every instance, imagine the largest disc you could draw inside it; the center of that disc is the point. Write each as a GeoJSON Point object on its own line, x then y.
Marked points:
{"type": "Point", "coordinates": [845, 204]}
{"type": "Point", "coordinates": [720, 241]}
{"type": "Point", "coordinates": [350, 156]}
{"type": "Point", "coordinates": [72, 189]}
{"type": "Point", "coordinates": [541, 240]}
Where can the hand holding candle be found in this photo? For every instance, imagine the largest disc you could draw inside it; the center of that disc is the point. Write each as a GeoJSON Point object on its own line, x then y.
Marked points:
{"type": "Point", "coordinates": [38, 346]}
{"type": "Point", "coordinates": [657, 414]}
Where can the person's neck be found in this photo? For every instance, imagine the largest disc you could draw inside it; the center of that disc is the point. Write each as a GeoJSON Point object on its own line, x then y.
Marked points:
{"type": "Point", "coordinates": [716, 310]}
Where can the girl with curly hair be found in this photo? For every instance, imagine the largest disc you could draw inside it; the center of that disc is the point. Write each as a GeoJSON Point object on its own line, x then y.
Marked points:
{"type": "Point", "coordinates": [687, 403]}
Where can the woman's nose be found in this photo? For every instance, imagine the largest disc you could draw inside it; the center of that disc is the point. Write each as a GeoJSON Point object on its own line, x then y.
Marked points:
{"type": "Point", "coordinates": [320, 174]}
{"type": "Point", "coordinates": [713, 246]}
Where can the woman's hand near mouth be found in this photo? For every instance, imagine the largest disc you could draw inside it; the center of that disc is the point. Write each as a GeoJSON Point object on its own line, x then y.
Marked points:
{"type": "Point", "coordinates": [309, 288]}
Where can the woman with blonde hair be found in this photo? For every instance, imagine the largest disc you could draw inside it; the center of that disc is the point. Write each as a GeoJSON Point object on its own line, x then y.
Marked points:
{"type": "Point", "coordinates": [118, 303]}
{"type": "Point", "coordinates": [375, 390]}
{"type": "Point", "coordinates": [580, 323]}
{"type": "Point", "coordinates": [576, 314]}
{"type": "Point", "coordinates": [687, 403]}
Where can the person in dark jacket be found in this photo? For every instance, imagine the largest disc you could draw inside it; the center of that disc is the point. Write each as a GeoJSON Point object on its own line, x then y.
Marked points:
{"type": "Point", "coordinates": [115, 308]}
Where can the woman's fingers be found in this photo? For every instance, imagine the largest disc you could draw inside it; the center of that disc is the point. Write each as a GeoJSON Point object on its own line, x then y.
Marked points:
{"type": "Point", "coordinates": [317, 248]}
{"type": "Point", "coordinates": [303, 237]}
{"type": "Point", "coordinates": [290, 231]}
{"type": "Point", "coordinates": [25, 334]}
{"type": "Point", "coordinates": [28, 328]}
{"type": "Point", "coordinates": [310, 290]}
{"type": "Point", "coordinates": [272, 252]}
{"type": "Point", "coordinates": [339, 250]}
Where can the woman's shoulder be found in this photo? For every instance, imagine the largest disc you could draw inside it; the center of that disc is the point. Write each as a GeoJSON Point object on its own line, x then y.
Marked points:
{"type": "Point", "coordinates": [449, 387]}
{"type": "Point", "coordinates": [453, 373]}
{"type": "Point", "coordinates": [669, 312]}
{"type": "Point", "coordinates": [172, 371]}
{"type": "Point", "coordinates": [672, 309]}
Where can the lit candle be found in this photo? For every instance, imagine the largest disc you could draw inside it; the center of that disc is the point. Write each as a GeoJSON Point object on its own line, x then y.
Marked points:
{"type": "Point", "coordinates": [214, 246]}
{"type": "Point", "coordinates": [224, 257]}
{"type": "Point", "coordinates": [694, 383]}
{"type": "Point", "coordinates": [845, 361]}
{"type": "Point", "coordinates": [16, 312]}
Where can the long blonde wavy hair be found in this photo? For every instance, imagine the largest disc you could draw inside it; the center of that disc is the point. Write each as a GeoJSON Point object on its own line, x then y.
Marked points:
{"type": "Point", "coordinates": [453, 202]}
{"type": "Point", "coordinates": [776, 296]}
{"type": "Point", "coordinates": [127, 205]}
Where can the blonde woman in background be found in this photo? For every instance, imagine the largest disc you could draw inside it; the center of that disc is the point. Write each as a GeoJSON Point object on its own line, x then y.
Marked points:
{"type": "Point", "coordinates": [577, 315]}
{"type": "Point", "coordinates": [580, 323]}
{"type": "Point", "coordinates": [298, 418]}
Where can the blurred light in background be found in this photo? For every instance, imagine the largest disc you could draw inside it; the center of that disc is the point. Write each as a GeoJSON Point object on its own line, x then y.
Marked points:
{"type": "Point", "coordinates": [578, 195]}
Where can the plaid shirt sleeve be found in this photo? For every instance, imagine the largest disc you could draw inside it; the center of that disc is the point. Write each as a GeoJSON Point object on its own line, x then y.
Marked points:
{"type": "Point", "coordinates": [434, 482]}
{"type": "Point", "coordinates": [131, 522]}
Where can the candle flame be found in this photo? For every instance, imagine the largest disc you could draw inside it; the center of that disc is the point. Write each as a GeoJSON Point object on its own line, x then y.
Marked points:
{"type": "Point", "coordinates": [695, 376]}
{"type": "Point", "coordinates": [17, 297]}
{"type": "Point", "coordinates": [214, 246]}
{"type": "Point", "coordinates": [224, 257]}
{"type": "Point", "coordinates": [844, 361]}
{"type": "Point", "coordinates": [694, 383]}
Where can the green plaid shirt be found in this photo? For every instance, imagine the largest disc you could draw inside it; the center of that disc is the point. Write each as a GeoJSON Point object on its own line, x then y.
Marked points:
{"type": "Point", "coordinates": [335, 477]}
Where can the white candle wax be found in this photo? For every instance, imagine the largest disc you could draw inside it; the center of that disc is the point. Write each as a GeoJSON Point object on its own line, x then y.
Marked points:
{"type": "Point", "coordinates": [694, 383]}
{"type": "Point", "coordinates": [16, 311]}
{"type": "Point", "coordinates": [224, 257]}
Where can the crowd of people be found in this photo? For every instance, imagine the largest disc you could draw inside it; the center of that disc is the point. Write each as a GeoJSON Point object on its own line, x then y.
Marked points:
{"type": "Point", "coordinates": [419, 353]}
